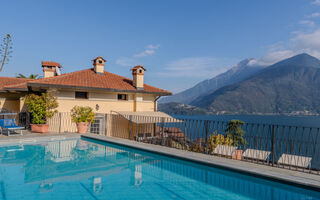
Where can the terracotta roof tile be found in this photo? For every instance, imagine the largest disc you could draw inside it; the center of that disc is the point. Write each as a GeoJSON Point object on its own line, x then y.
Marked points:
{"type": "Point", "coordinates": [50, 63]}
{"type": "Point", "coordinates": [7, 81]}
{"type": "Point", "coordinates": [137, 67]}
{"type": "Point", "coordinates": [88, 79]}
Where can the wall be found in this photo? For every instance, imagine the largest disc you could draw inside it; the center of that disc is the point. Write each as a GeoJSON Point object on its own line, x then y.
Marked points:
{"type": "Point", "coordinates": [138, 80]}
{"type": "Point", "coordinates": [118, 126]}
{"type": "Point", "coordinates": [105, 102]}
{"type": "Point", "coordinates": [10, 102]}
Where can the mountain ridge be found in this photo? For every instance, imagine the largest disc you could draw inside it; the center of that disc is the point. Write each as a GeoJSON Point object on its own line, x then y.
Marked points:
{"type": "Point", "coordinates": [291, 85]}
{"type": "Point", "coordinates": [237, 73]}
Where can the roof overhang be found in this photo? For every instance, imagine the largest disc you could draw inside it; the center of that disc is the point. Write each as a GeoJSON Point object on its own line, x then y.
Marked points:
{"type": "Point", "coordinates": [147, 117]}
{"type": "Point", "coordinates": [14, 89]}
{"type": "Point", "coordinates": [46, 86]}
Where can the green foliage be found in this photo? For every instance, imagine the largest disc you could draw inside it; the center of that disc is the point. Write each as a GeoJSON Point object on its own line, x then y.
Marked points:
{"type": "Point", "coordinates": [31, 76]}
{"type": "Point", "coordinates": [5, 51]}
{"type": "Point", "coordinates": [235, 132]}
{"type": "Point", "coordinates": [174, 108]}
{"type": "Point", "coordinates": [82, 114]}
{"type": "Point", "coordinates": [216, 139]}
{"type": "Point", "coordinates": [41, 107]}
{"type": "Point", "coordinates": [196, 147]}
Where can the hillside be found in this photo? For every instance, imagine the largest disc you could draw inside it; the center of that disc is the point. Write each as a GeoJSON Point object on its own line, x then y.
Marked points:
{"type": "Point", "coordinates": [237, 73]}
{"type": "Point", "coordinates": [289, 86]}
{"type": "Point", "coordinates": [174, 108]}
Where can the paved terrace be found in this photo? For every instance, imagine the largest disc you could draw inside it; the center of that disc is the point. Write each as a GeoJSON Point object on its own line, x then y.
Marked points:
{"type": "Point", "coordinates": [296, 178]}
{"type": "Point", "coordinates": [28, 138]}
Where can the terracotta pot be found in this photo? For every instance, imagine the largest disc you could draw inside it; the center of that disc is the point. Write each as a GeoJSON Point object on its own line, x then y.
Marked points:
{"type": "Point", "coordinates": [82, 127]}
{"type": "Point", "coordinates": [40, 128]}
{"type": "Point", "coordinates": [237, 155]}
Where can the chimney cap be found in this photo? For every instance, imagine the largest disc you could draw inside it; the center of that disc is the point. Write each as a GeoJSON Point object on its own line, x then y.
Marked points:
{"type": "Point", "coordinates": [138, 67]}
{"type": "Point", "coordinates": [99, 57]}
{"type": "Point", "coordinates": [50, 64]}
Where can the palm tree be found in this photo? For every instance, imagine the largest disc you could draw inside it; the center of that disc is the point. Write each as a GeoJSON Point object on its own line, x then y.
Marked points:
{"type": "Point", "coordinates": [31, 76]}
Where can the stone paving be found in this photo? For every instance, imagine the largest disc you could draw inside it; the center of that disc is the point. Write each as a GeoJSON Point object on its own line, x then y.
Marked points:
{"type": "Point", "coordinates": [297, 178]}
{"type": "Point", "coordinates": [29, 137]}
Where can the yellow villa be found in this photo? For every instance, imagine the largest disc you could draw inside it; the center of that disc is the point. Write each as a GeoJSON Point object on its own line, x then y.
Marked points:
{"type": "Point", "coordinates": [103, 91]}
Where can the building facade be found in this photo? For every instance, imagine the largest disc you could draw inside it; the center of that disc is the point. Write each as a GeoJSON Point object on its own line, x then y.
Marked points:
{"type": "Point", "coordinates": [102, 90]}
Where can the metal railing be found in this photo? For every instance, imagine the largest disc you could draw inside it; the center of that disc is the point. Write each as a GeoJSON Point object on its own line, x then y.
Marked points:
{"type": "Point", "coordinates": [289, 147]}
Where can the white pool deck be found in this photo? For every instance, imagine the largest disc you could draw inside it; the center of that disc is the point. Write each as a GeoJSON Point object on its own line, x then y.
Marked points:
{"type": "Point", "coordinates": [301, 179]}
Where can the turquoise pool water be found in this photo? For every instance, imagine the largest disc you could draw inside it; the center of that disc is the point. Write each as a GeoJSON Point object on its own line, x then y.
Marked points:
{"type": "Point", "coordinates": [88, 169]}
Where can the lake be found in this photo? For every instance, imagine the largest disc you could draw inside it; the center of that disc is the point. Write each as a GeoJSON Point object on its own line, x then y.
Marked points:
{"type": "Point", "coordinates": [307, 121]}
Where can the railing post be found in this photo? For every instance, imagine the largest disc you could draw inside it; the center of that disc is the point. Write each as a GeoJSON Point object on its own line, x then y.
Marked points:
{"type": "Point", "coordinates": [207, 133]}
{"type": "Point", "coordinates": [105, 124]}
{"type": "Point", "coordinates": [185, 135]}
{"type": "Point", "coordinates": [59, 122]}
{"type": "Point", "coordinates": [162, 131]}
{"type": "Point", "coordinates": [273, 144]}
{"type": "Point", "coordinates": [28, 120]}
{"type": "Point", "coordinates": [130, 128]}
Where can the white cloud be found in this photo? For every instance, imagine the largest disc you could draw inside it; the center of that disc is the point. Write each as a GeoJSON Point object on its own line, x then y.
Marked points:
{"type": "Point", "coordinates": [124, 61]}
{"type": "Point", "coordinates": [307, 40]}
{"type": "Point", "coordinates": [307, 22]}
{"type": "Point", "coordinates": [149, 50]}
{"type": "Point", "coordinates": [272, 57]}
{"type": "Point", "coordinates": [316, 2]}
{"type": "Point", "coordinates": [313, 15]}
{"type": "Point", "coordinates": [301, 42]}
{"type": "Point", "coordinates": [202, 67]}
{"type": "Point", "coordinates": [130, 61]}
{"type": "Point", "coordinates": [151, 46]}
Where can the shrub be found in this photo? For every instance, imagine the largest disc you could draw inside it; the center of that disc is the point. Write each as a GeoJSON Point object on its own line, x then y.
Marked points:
{"type": "Point", "coordinates": [41, 107]}
{"type": "Point", "coordinates": [235, 132]}
{"type": "Point", "coordinates": [216, 139]}
{"type": "Point", "coordinates": [82, 114]}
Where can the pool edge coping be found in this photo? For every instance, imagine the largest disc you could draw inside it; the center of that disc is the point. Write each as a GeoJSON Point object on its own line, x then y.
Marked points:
{"type": "Point", "coordinates": [24, 140]}
{"type": "Point", "coordinates": [218, 162]}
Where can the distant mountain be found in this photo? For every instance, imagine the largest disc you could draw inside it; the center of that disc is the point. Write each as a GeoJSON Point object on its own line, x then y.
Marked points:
{"type": "Point", "coordinates": [289, 86]}
{"type": "Point", "coordinates": [241, 71]}
{"type": "Point", "coordinates": [174, 108]}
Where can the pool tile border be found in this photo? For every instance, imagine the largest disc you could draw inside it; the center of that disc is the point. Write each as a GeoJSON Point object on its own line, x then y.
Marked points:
{"type": "Point", "coordinates": [299, 179]}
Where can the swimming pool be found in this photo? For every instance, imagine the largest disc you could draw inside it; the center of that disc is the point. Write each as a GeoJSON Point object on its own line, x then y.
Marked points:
{"type": "Point", "coordinates": [89, 169]}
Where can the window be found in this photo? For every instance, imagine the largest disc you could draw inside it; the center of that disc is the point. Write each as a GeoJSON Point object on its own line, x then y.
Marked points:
{"type": "Point", "coordinates": [95, 126]}
{"type": "Point", "coordinates": [122, 97]}
{"type": "Point", "coordinates": [81, 95]}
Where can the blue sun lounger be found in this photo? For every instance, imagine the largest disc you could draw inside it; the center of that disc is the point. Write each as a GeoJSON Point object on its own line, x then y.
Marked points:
{"type": "Point", "coordinates": [9, 125]}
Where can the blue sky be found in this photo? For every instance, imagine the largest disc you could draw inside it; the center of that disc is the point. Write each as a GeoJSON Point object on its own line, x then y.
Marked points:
{"type": "Point", "coordinates": [180, 42]}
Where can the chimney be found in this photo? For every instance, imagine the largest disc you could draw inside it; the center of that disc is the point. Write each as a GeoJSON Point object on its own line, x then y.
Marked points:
{"type": "Point", "coordinates": [98, 64]}
{"type": "Point", "coordinates": [138, 75]}
{"type": "Point", "coordinates": [51, 69]}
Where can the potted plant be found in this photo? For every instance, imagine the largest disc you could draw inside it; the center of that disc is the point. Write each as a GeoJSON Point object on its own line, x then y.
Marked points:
{"type": "Point", "coordinates": [216, 139]}
{"type": "Point", "coordinates": [236, 134]}
{"type": "Point", "coordinates": [82, 116]}
{"type": "Point", "coordinates": [41, 107]}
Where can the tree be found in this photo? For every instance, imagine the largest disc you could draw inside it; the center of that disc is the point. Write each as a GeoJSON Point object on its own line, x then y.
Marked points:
{"type": "Point", "coordinates": [31, 76]}
{"type": "Point", "coordinates": [235, 132]}
{"type": "Point", "coordinates": [5, 51]}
